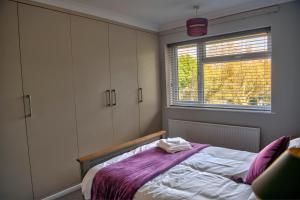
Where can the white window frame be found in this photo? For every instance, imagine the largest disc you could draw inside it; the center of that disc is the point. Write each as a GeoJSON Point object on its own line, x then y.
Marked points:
{"type": "Point", "coordinates": [173, 73]}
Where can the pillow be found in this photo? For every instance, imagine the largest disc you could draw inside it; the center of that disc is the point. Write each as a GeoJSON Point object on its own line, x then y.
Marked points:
{"type": "Point", "coordinates": [295, 143]}
{"type": "Point", "coordinates": [265, 158]}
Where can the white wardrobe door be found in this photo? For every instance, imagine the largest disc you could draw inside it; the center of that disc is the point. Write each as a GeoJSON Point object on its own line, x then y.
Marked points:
{"type": "Point", "coordinates": [15, 182]}
{"type": "Point", "coordinates": [92, 78]}
{"type": "Point", "coordinates": [149, 82]}
{"type": "Point", "coordinates": [123, 62]}
{"type": "Point", "coordinates": [48, 78]}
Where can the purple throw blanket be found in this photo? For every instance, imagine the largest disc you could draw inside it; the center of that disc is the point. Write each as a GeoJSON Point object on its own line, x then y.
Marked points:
{"type": "Point", "coordinates": [121, 180]}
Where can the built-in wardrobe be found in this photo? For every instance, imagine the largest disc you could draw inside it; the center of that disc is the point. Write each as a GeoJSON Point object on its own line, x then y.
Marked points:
{"type": "Point", "coordinates": [69, 85]}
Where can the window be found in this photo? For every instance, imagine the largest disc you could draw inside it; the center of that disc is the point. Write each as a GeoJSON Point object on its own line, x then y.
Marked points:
{"type": "Point", "coordinates": [231, 71]}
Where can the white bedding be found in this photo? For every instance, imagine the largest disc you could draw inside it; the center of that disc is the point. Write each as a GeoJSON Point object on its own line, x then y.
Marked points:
{"type": "Point", "coordinates": [205, 175]}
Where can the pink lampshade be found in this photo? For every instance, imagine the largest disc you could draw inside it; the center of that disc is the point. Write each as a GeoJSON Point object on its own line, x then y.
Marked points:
{"type": "Point", "coordinates": [196, 27]}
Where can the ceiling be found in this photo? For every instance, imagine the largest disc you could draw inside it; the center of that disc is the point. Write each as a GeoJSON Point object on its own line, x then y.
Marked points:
{"type": "Point", "coordinates": [158, 15]}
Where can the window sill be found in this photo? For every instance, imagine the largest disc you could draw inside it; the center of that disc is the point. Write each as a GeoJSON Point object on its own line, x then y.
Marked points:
{"type": "Point", "coordinates": [219, 109]}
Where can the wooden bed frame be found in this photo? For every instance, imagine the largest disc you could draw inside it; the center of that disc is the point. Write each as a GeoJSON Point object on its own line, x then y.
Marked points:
{"type": "Point", "coordinates": [89, 161]}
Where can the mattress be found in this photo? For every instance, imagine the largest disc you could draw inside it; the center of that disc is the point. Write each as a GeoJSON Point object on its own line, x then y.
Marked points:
{"type": "Point", "coordinates": [204, 175]}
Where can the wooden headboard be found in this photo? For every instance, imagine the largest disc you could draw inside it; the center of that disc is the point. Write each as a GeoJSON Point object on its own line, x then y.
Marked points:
{"type": "Point", "coordinates": [88, 161]}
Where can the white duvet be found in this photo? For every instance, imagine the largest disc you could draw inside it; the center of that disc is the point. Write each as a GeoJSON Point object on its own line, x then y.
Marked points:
{"type": "Point", "coordinates": [205, 175]}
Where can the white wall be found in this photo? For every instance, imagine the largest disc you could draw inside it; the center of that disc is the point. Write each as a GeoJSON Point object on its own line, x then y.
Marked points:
{"type": "Point", "coordinates": [285, 116]}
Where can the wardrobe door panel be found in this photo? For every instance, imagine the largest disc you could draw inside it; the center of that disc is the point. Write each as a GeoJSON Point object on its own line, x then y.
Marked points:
{"type": "Point", "coordinates": [48, 78]}
{"type": "Point", "coordinates": [15, 181]}
{"type": "Point", "coordinates": [92, 78]}
{"type": "Point", "coordinates": [123, 62]}
{"type": "Point", "coordinates": [149, 82]}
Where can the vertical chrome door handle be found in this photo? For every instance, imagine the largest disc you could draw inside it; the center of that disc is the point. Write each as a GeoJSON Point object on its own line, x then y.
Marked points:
{"type": "Point", "coordinates": [107, 96]}
{"type": "Point", "coordinates": [140, 95]}
{"type": "Point", "coordinates": [28, 97]}
{"type": "Point", "coordinates": [113, 97]}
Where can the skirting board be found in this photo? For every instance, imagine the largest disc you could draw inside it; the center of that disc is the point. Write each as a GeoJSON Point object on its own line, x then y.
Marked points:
{"type": "Point", "coordinates": [63, 192]}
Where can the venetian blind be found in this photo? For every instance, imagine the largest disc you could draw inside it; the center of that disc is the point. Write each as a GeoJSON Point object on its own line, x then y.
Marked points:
{"type": "Point", "coordinates": [233, 71]}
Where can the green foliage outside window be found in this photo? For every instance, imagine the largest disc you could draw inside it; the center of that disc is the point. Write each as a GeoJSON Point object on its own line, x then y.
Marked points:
{"type": "Point", "coordinates": [187, 78]}
{"type": "Point", "coordinates": [232, 83]}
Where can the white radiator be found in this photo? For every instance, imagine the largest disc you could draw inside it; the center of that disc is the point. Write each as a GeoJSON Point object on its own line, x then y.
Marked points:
{"type": "Point", "coordinates": [234, 137]}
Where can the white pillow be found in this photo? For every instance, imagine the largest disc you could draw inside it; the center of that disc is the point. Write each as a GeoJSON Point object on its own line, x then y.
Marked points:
{"type": "Point", "coordinates": [295, 143]}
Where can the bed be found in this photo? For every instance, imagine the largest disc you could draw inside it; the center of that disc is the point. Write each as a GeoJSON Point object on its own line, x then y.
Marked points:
{"type": "Point", "coordinates": [204, 175]}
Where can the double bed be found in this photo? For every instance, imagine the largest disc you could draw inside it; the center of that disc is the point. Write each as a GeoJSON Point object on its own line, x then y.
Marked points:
{"type": "Point", "coordinates": [206, 174]}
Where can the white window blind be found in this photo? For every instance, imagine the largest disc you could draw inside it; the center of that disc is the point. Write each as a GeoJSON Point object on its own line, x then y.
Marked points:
{"type": "Point", "coordinates": [232, 71]}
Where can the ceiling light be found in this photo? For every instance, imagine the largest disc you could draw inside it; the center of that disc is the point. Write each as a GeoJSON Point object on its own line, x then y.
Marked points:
{"type": "Point", "coordinates": [196, 26]}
